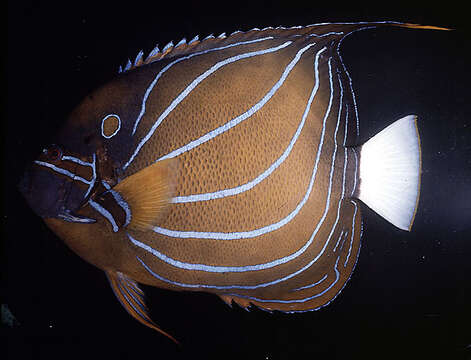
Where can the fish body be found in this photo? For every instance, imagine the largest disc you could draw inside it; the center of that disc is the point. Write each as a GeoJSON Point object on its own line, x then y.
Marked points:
{"type": "Point", "coordinates": [228, 165]}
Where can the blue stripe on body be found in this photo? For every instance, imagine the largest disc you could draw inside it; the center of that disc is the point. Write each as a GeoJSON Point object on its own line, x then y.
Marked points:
{"type": "Point", "coordinates": [237, 120]}
{"type": "Point", "coordinates": [353, 234]}
{"type": "Point", "coordinates": [123, 204]}
{"type": "Point", "coordinates": [246, 287]}
{"type": "Point", "coordinates": [106, 214]}
{"type": "Point", "coordinates": [337, 277]}
{"type": "Point", "coordinates": [211, 268]}
{"type": "Point", "coordinates": [249, 185]}
{"type": "Point", "coordinates": [345, 68]}
{"type": "Point", "coordinates": [311, 285]}
{"type": "Point", "coordinates": [282, 222]}
{"type": "Point", "coordinates": [338, 240]}
{"type": "Point", "coordinates": [356, 169]}
{"type": "Point", "coordinates": [167, 67]}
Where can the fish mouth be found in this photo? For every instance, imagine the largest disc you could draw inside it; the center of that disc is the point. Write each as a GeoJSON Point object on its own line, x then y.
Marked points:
{"type": "Point", "coordinates": [67, 215]}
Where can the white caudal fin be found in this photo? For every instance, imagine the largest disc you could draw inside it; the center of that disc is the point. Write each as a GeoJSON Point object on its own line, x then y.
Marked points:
{"type": "Point", "coordinates": [390, 167]}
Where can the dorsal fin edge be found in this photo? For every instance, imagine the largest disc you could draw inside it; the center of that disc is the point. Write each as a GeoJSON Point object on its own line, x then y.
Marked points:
{"type": "Point", "coordinates": [183, 47]}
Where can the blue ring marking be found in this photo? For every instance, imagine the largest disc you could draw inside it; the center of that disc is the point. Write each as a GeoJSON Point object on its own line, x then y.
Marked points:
{"type": "Point", "coordinates": [116, 131]}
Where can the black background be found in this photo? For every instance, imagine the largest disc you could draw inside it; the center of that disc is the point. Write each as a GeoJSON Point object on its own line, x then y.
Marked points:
{"type": "Point", "coordinates": [410, 294]}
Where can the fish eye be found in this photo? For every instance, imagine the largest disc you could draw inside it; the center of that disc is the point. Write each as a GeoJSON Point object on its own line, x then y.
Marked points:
{"type": "Point", "coordinates": [53, 152]}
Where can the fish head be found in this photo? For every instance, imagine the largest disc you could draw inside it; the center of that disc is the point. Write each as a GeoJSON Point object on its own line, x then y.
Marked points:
{"type": "Point", "coordinates": [66, 174]}
{"type": "Point", "coordinates": [59, 186]}
{"type": "Point", "coordinates": [59, 182]}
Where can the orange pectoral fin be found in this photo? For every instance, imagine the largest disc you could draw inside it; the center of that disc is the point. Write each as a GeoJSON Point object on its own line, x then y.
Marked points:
{"type": "Point", "coordinates": [133, 300]}
{"type": "Point", "coordinates": [148, 193]}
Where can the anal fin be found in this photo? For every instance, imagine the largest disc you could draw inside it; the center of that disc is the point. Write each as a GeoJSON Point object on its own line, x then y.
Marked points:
{"type": "Point", "coordinates": [133, 299]}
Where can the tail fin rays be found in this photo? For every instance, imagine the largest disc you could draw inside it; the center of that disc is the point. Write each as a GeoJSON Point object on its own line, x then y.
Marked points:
{"type": "Point", "coordinates": [390, 168]}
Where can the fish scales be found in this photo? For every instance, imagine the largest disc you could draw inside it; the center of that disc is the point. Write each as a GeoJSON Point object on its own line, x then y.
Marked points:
{"type": "Point", "coordinates": [216, 215]}
{"type": "Point", "coordinates": [278, 238]}
{"type": "Point", "coordinates": [249, 199]}
{"type": "Point", "coordinates": [228, 165]}
{"type": "Point", "coordinates": [225, 100]}
{"type": "Point", "coordinates": [232, 153]}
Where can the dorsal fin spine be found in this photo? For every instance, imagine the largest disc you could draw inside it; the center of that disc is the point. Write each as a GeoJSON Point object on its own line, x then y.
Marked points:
{"type": "Point", "coordinates": [184, 47]}
{"type": "Point", "coordinates": [195, 39]}
{"type": "Point", "coordinates": [128, 65]}
{"type": "Point", "coordinates": [181, 42]}
{"type": "Point", "coordinates": [138, 58]}
{"type": "Point", "coordinates": [167, 47]}
{"type": "Point", "coordinates": [155, 51]}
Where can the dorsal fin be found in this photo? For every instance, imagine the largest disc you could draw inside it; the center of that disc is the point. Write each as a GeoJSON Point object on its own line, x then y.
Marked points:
{"type": "Point", "coordinates": [182, 47]}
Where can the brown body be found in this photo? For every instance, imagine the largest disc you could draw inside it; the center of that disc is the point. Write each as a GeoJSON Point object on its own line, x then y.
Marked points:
{"type": "Point", "coordinates": [226, 111]}
{"type": "Point", "coordinates": [235, 158]}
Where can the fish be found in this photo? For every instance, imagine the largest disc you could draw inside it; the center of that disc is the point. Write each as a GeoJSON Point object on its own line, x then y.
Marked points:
{"type": "Point", "coordinates": [229, 165]}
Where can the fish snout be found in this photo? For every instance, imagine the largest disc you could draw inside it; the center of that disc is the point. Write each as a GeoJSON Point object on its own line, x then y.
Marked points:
{"type": "Point", "coordinates": [44, 192]}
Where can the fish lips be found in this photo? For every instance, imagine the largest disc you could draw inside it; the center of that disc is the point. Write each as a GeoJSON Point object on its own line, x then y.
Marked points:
{"type": "Point", "coordinates": [52, 196]}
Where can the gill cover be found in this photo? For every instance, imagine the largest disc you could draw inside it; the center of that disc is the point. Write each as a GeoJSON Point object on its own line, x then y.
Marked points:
{"type": "Point", "coordinates": [140, 200]}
